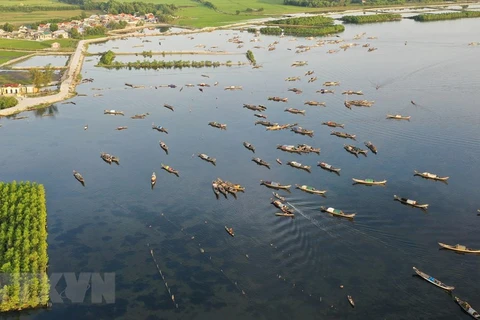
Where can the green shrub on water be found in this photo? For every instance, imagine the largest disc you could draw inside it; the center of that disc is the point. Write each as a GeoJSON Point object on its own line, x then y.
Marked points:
{"type": "Point", "coordinates": [446, 16]}
{"type": "Point", "coordinates": [384, 17]}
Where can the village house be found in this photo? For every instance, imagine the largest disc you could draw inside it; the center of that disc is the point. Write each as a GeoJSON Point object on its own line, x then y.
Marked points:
{"type": "Point", "coordinates": [17, 89]}
{"type": "Point", "coordinates": [60, 34]}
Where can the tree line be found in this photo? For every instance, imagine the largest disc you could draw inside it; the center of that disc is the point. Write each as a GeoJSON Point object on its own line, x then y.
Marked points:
{"type": "Point", "coordinates": [335, 3]}
{"type": "Point", "coordinates": [115, 7]}
{"type": "Point", "coordinates": [23, 246]}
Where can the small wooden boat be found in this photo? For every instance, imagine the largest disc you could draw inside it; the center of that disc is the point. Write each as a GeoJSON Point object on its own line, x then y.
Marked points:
{"type": "Point", "coordinates": [233, 88]}
{"type": "Point", "coordinates": [467, 308]}
{"type": "Point", "coordinates": [170, 169]}
{"type": "Point", "coordinates": [283, 207]}
{"type": "Point", "coordinates": [295, 111]}
{"type": "Point", "coordinates": [296, 90]}
{"type": "Point", "coordinates": [203, 84]}
{"type": "Point", "coordinates": [371, 49]}
{"type": "Point", "coordinates": [324, 91]}
{"type": "Point", "coordinates": [207, 158]}
{"type": "Point", "coordinates": [358, 103]}
{"type": "Point", "coordinates": [230, 231]}
{"type": "Point", "coordinates": [153, 179]}
{"type": "Point", "coordinates": [302, 131]}
{"type": "Point", "coordinates": [350, 92]}
{"type": "Point", "coordinates": [311, 190]}
{"type": "Point", "coordinates": [369, 182]}
{"type": "Point", "coordinates": [280, 162]}
{"type": "Point", "coordinates": [313, 79]}
{"type": "Point", "coordinates": [432, 280]}
{"type": "Point", "coordinates": [354, 150]}
{"type": "Point", "coordinates": [298, 165]}
{"type": "Point", "coordinates": [261, 162]}
{"type": "Point", "coordinates": [397, 117]}
{"type": "Point", "coordinates": [309, 73]}
{"type": "Point", "coordinates": [315, 103]}
{"type": "Point", "coordinates": [279, 197]}
{"type": "Point", "coordinates": [428, 175]}
{"type": "Point", "coordinates": [337, 212]}
{"type": "Point", "coordinates": [292, 78]}
{"type": "Point", "coordinates": [458, 248]}
{"type": "Point", "coordinates": [329, 167]}
{"type": "Point", "coordinates": [412, 203]}
{"type": "Point", "coordinates": [305, 148]}
{"type": "Point", "coordinates": [79, 177]}
{"type": "Point", "coordinates": [265, 123]}
{"type": "Point", "coordinates": [139, 116]}
{"type": "Point", "coordinates": [249, 146]}
{"type": "Point", "coordinates": [260, 115]}
{"type": "Point", "coordinates": [113, 112]}
{"type": "Point", "coordinates": [253, 107]}
{"type": "Point", "coordinates": [164, 146]}
{"type": "Point", "coordinates": [159, 128]}
{"type": "Point", "coordinates": [289, 148]}
{"type": "Point", "coordinates": [331, 83]}
{"type": "Point", "coordinates": [275, 185]}
{"type": "Point", "coordinates": [350, 299]}
{"type": "Point", "coordinates": [115, 159]}
{"type": "Point", "coordinates": [333, 124]}
{"type": "Point", "coordinates": [343, 135]}
{"type": "Point", "coordinates": [299, 63]}
{"type": "Point", "coordinates": [278, 99]}
{"type": "Point", "coordinates": [106, 157]}
{"type": "Point", "coordinates": [168, 106]}
{"type": "Point", "coordinates": [277, 127]}
{"type": "Point", "coordinates": [121, 128]}
{"type": "Point", "coordinates": [84, 128]}
{"type": "Point", "coordinates": [215, 188]}
{"type": "Point", "coordinates": [218, 125]}
{"type": "Point", "coordinates": [370, 146]}
{"type": "Point", "coordinates": [282, 214]}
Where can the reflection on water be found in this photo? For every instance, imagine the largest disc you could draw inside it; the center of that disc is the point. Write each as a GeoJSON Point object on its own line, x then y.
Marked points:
{"type": "Point", "coordinates": [49, 111]}
{"type": "Point", "coordinates": [274, 266]}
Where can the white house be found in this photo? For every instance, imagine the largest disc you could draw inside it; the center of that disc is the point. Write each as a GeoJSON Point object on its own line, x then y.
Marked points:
{"type": "Point", "coordinates": [60, 34]}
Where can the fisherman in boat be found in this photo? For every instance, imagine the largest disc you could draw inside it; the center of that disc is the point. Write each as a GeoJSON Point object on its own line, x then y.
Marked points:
{"type": "Point", "coordinates": [230, 230]}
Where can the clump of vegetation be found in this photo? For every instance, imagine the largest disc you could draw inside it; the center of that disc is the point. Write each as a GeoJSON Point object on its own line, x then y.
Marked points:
{"type": "Point", "coordinates": [42, 78]}
{"type": "Point", "coordinates": [147, 54]}
{"type": "Point", "coordinates": [300, 32]}
{"type": "Point", "coordinates": [207, 4]}
{"type": "Point", "coordinates": [8, 102]}
{"type": "Point", "coordinates": [305, 21]}
{"type": "Point", "coordinates": [251, 57]}
{"type": "Point", "coordinates": [446, 16]}
{"type": "Point", "coordinates": [23, 249]}
{"type": "Point", "coordinates": [384, 17]}
{"type": "Point", "coordinates": [107, 58]}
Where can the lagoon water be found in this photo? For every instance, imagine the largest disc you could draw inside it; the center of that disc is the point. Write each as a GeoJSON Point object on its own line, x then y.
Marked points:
{"type": "Point", "coordinates": [295, 267]}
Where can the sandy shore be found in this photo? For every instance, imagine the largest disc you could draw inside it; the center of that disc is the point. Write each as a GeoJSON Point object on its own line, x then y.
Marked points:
{"type": "Point", "coordinates": [67, 87]}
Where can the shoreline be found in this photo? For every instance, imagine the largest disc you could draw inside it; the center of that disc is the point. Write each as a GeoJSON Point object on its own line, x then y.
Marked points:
{"type": "Point", "coordinates": [68, 85]}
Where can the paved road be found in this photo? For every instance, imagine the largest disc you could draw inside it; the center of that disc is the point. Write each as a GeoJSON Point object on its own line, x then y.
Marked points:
{"type": "Point", "coordinates": [66, 88]}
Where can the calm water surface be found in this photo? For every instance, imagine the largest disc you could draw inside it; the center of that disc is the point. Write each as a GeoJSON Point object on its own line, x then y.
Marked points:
{"type": "Point", "coordinates": [295, 266]}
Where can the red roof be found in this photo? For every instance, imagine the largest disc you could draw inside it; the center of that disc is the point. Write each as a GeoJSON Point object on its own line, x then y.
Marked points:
{"type": "Point", "coordinates": [12, 85]}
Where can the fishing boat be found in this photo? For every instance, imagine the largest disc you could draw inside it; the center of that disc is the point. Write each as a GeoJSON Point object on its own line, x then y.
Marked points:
{"type": "Point", "coordinates": [215, 188]}
{"type": "Point", "coordinates": [354, 150]}
{"type": "Point", "coordinates": [278, 99]}
{"type": "Point", "coordinates": [106, 157]}
{"type": "Point", "coordinates": [458, 248]}
{"type": "Point", "coordinates": [358, 103]}
{"type": "Point", "coordinates": [275, 185]}
{"type": "Point", "coordinates": [343, 135]}
{"type": "Point", "coordinates": [467, 308]}
{"type": "Point", "coordinates": [207, 158]}
{"type": "Point", "coordinates": [309, 73]}
{"type": "Point", "coordinates": [260, 115]}
{"type": "Point", "coordinates": [289, 148]}
{"type": "Point", "coordinates": [295, 111]}
{"type": "Point", "coordinates": [113, 112]}
{"type": "Point", "coordinates": [350, 92]}
{"type": "Point", "coordinates": [350, 299]}
{"type": "Point", "coordinates": [164, 146]}
{"type": "Point", "coordinates": [249, 146]}
{"type": "Point", "coordinates": [153, 179]}
{"type": "Point", "coordinates": [331, 83]}
{"type": "Point", "coordinates": [302, 131]}
{"type": "Point", "coordinates": [412, 203]}
{"type": "Point", "coordinates": [139, 116]}
{"type": "Point", "coordinates": [254, 107]}
{"type": "Point", "coordinates": [121, 128]}
{"type": "Point", "coordinates": [233, 88]}
{"type": "Point", "coordinates": [329, 167]}
{"type": "Point", "coordinates": [265, 123]}
{"type": "Point", "coordinates": [333, 124]}
{"type": "Point", "coordinates": [279, 197]}
{"type": "Point", "coordinates": [323, 91]}
{"type": "Point", "coordinates": [370, 182]}
{"type": "Point", "coordinates": [314, 103]}
{"type": "Point", "coordinates": [261, 162]}
{"type": "Point", "coordinates": [283, 207]}
{"type": "Point", "coordinates": [277, 127]}
{"type": "Point", "coordinates": [159, 128]}
{"type": "Point", "coordinates": [370, 146]}
{"type": "Point", "coordinates": [313, 79]}
{"type": "Point", "coordinates": [292, 78]}
{"type": "Point", "coordinates": [432, 280]}
{"type": "Point", "coordinates": [230, 231]}
{"type": "Point", "coordinates": [305, 148]}
{"type": "Point", "coordinates": [218, 125]}
{"type": "Point", "coordinates": [115, 159]}
{"type": "Point", "coordinates": [168, 106]}
{"type": "Point", "coordinates": [299, 63]}
{"type": "Point", "coordinates": [283, 214]}
{"type": "Point", "coordinates": [311, 190]}
{"type": "Point", "coordinates": [428, 175]}
{"type": "Point", "coordinates": [79, 177]}
{"type": "Point", "coordinates": [337, 212]}
{"type": "Point", "coordinates": [170, 169]}
{"type": "Point", "coordinates": [296, 90]}
{"type": "Point", "coordinates": [397, 117]}
{"type": "Point", "coordinates": [298, 165]}
{"type": "Point", "coordinates": [280, 162]}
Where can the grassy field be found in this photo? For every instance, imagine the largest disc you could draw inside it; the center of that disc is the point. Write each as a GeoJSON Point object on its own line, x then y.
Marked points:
{"type": "Point", "coordinates": [14, 3]}
{"type": "Point", "coordinates": [18, 18]}
{"type": "Point", "coordinates": [9, 55]}
{"type": "Point", "coordinates": [23, 44]}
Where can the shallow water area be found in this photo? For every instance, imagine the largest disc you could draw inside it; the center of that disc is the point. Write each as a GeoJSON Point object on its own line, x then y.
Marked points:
{"type": "Point", "coordinates": [274, 267]}
{"type": "Point", "coordinates": [41, 61]}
